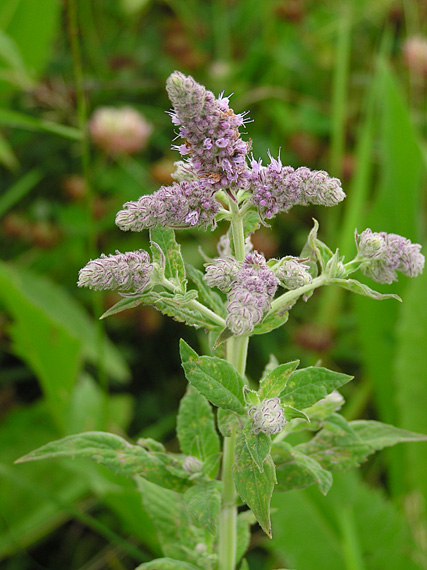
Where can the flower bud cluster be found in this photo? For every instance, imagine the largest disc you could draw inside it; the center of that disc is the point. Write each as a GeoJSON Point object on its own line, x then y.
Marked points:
{"type": "Point", "coordinates": [123, 272]}
{"type": "Point", "coordinates": [268, 417]}
{"type": "Point", "coordinates": [184, 204]}
{"type": "Point", "coordinates": [192, 465]}
{"type": "Point", "coordinates": [221, 273]}
{"type": "Point", "coordinates": [292, 273]}
{"type": "Point", "coordinates": [122, 130]}
{"type": "Point", "coordinates": [276, 188]}
{"type": "Point", "coordinates": [384, 254]}
{"type": "Point", "coordinates": [210, 128]}
{"type": "Point", "coordinates": [250, 294]}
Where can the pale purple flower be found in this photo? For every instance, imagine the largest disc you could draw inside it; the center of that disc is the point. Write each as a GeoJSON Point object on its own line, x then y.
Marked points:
{"type": "Point", "coordinates": [250, 294]}
{"type": "Point", "coordinates": [268, 417]}
{"type": "Point", "coordinates": [276, 188]}
{"type": "Point", "coordinates": [211, 132]}
{"type": "Point", "coordinates": [293, 273]}
{"type": "Point", "coordinates": [128, 272]}
{"type": "Point", "coordinates": [183, 204]}
{"type": "Point", "coordinates": [384, 254]}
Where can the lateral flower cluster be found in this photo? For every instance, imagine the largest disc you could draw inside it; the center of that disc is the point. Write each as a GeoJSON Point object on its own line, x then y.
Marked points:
{"type": "Point", "coordinates": [276, 188]}
{"type": "Point", "coordinates": [268, 417]}
{"type": "Point", "coordinates": [183, 204]}
{"type": "Point", "coordinates": [128, 272]}
{"type": "Point", "coordinates": [293, 273]}
{"type": "Point", "coordinates": [383, 254]}
{"type": "Point", "coordinates": [250, 288]}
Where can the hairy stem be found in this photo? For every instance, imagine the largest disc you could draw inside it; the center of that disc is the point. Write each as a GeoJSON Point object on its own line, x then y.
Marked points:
{"type": "Point", "coordinates": [237, 349]}
{"type": "Point", "coordinates": [288, 299]}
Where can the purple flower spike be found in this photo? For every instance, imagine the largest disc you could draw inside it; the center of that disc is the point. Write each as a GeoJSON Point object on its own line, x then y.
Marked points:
{"type": "Point", "coordinates": [384, 254]}
{"type": "Point", "coordinates": [250, 294]}
{"type": "Point", "coordinates": [216, 153]}
{"type": "Point", "coordinates": [123, 272]}
{"type": "Point", "coordinates": [188, 203]}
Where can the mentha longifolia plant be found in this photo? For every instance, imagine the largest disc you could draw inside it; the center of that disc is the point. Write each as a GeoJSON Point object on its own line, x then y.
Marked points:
{"type": "Point", "coordinates": [193, 496]}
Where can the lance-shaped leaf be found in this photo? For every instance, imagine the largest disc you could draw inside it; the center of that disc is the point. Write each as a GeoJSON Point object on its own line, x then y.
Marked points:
{"type": "Point", "coordinates": [273, 320]}
{"type": "Point", "coordinates": [167, 564]}
{"type": "Point", "coordinates": [168, 254]}
{"type": "Point", "coordinates": [178, 307]}
{"type": "Point", "coordinates": [361, 289]}
{"type": "Point", "coordinates": [307, 386]}
{"type": "Point", "coordinates": [215, 378]}
{"type": "Point", "coordinates": [291, 413]}
{"type": "Point", "coordinates": [229, 422]}
{"type": "Point", "coordinates": [295, 470]}
{"type": "Point", "coordinates": [204, 503]}
{"type": "Point", "coordinates": [116, 454]}
{"type": "Point", "coordinates": [255, 488]}
{"type": "Point", "coordinates": [259, 445]}
{"type": "Point", "coordinates": [275, 381]}
{"type": "Point", "coordinates": [341, 445]}
{"type": "Point", "coordinates": [168, 511]}
{"type": "Point", "coordinates": [196, 426]}
{"type": "Point", "coordinates": [130, 303]}
{"type": "Point", "coordinates": [207, 295]}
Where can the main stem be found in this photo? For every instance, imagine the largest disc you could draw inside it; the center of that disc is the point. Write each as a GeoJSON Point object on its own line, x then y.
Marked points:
{"type": "Point", "coordinates": [237, 349]}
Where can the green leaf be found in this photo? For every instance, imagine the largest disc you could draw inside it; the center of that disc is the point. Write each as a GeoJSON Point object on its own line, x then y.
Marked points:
{"type": "Point", "coordinates": [113, 452]}
{"type": "Point", "coordinates": [228, 422]}
{"type": "Point", "coordinates": [167, 564]}
{"type": "Point", "coordinates": [8, 157]}
{"type": "Point", "coordinates": [292, 413]}
{"type": "Point", "coordinates": [130, 303]}
{"type": "Point", "coordinates": [215, 378]}
{"type": "Point", "coordinates": [272, 321]}
{"type": "Point", "coordinates": [244, 565]}
{"type": "Point", "coordinates": [196, 427]}
{"type": "Point", "coordinates": [295, 470]}
{"type": "Point", "coordinates": [204, 503]}
{"type": "Point", "coordinates": [170, 258]}
{"type": "Point", "coordinates": [273, 384]}
{"type": "Point", "coordinates": [19, 189]}
{"type": "Point", "coordinates": [259, 445]}
{"type": "Point", "coordinates": [341, 445]}
{"type": "Point", "coordinates": [27, 122]}
{"type": "Point", "coordinates": [167, 509]}
{"type": "Point", "coordinates": [208, 296]}
{"type": "Point", "coordinates": [244, 522]}
{"type": "Point", "coordinates": [362, 289]}
{"type": "Point", "coordinates": [255, 488]}
{"type": "Point", "coordinates": [307, 386]}
{"type": "Point", "coordinates": [172, 306]}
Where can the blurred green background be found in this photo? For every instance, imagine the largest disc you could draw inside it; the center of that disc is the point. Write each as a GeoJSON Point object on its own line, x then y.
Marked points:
{"type": "Point", "coordinates": [338, 85]}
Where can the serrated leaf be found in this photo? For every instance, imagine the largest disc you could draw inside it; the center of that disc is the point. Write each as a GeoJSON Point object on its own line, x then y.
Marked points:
{"type": "Point", "coordinates": [295, 470]}
{"type": "Point", "coordinates": [167, 509]}
{"type": "Point", "coordinates": [272, 321]}
{"type": "Point", "coordinates": [361, 289]}
{"type": "Point", "coordinates": [259, 445]}
{"type": "Point", "coordinates": [196, 426]}
{"type": "Point", "coordinates": [172, 306]}
{"type": "Point", "coordinates": [255, 488]}
{"type": "Point", "coordinates": [171, 260]}
{"type": "Point", "coordinates": [341, 445]}
{"type": "Point", "coordinates": [204, 503]}
{"type": "Point", "coordinates": [113, 452]}
{"type": "Point", "coordinates": [228, 422]}
{"type": "Point", "coordinates": [307, 386]}
{"type": "Point", "coordinates": [275, 381]}
{"type": "Point", "coordinates": [209, 297]}
{"type": "Point", "coordinates": [167, 564]}
{"type": "Point", "coordinates": [215, 378]}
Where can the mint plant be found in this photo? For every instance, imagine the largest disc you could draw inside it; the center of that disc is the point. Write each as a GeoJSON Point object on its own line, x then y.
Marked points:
{"type": "Point", "coordinates": [234, 439]}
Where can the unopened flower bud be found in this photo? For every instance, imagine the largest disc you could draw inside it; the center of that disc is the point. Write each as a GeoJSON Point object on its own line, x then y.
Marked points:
{"type": "Point", "coordinates": [221, 273]}
{"type": "Point", "coordinates": [192, 465]}
{"type": "Point", "coordinates": [117, 131]}
{"type": "Point", "coordinates": [293, 273]}
{"type": "Point", "coordinates": [268, 417]}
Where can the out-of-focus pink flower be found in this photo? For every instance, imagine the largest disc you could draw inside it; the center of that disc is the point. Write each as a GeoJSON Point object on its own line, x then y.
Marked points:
{"type": "Point", "coordinates": [119, 130]}
{"type": "Point", "coordinates": [415, 54]}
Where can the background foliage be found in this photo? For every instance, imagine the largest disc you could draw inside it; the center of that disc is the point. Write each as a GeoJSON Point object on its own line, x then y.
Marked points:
{"type": "Point", "coordinates": [327, 83]}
